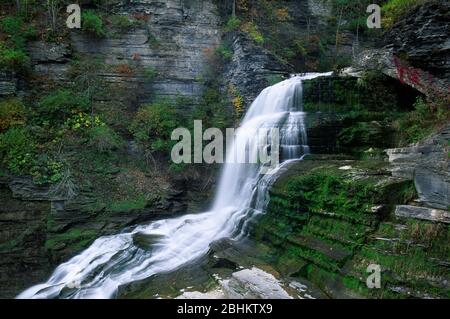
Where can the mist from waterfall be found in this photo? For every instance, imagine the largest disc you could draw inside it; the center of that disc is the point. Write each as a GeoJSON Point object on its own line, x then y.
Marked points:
{"type": "Point", "coordinates": [112, 261]}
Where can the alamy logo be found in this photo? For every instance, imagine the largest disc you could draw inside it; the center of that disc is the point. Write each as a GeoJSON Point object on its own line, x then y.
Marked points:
{"type": "Point", "coordinates": [243, 146]}
{"type": "Point", "coordinates": [374, 279]}
{"type": "Point", "coordinates": [74, 19]}
{"type": "Point", "coordinates": [374, 20]}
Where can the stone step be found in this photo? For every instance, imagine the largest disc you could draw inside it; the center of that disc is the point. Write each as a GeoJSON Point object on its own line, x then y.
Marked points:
{"type": "Point", "coordinates": [333, 252]}
{"type": "Point", "coordinates": [423, 213]}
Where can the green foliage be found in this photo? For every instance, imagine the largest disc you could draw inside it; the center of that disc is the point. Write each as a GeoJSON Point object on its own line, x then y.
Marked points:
{"type": "Point", "coordinates": [13, 59]}
{"type": "Point", "coordinates": [212, 110]}
{"type": "Point", "coordinates": [17, 30]}
{"type": "Point", "coordinates": [225, 52]}
{"type": "Point", "coordinates": [92, 23]}
{"type": "Point", "coordinates": [46, 170]}
{"type": "Point", "coordinates": [128, 205]}
{"type": "Point", "coordinates": [12, 113]}
{"type": "Point", "coordinates": [18, 153]}
{"type": "Point", "coordinates": [83, 122]}
{"type": "Point", "coordinates": [150, 73]}
{"type": "Point", "coordinates": [17, 150]}
{"type": "Point", "coordinates": [363, 135]}
{"type": "Point", "coordinates": [274, 79]}
{"type": "Point", "coordinates": [122, 23]}
{"type": "Point", "coordinates": [232, 24]}
{"type": "Point", "coordinates": [327, 192]}
{"type": "Point", "coordinates": [153, 124]}
{"type": "Point", "coordinates": [427, 115]}
{"type": "Point", "coordinates": [75, 239]}
{"type": "Point", "coordinates": [59, 105]}
{"type": "Point", "coordinates": [395, 9]}
{"type": "Point", "coordinates": [105, 139]}
{"type": "Point", "coordinates": [13, 54]}
{"type": "Point", "coordinates": [253, 32]}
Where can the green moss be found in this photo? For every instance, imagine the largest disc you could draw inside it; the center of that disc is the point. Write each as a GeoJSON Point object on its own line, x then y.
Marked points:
{"type": "Point", "coordinates": [92, 23]}
{"type": "Point", "coordinates": [75, 239]}
{"type": "Point", "coordinates": [395, 9]}
{"type": "Point", "coordinates": [127, 205]}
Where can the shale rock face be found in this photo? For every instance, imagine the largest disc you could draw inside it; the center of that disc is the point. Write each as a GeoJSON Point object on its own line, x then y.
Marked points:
{"type": "Point", "coordinates": [251, 67]}
{"type": "Point", "coordinates": [39, 230]}
{"type": "Point", "coordinates": [428, 165]}
{"type": "Point", "coordinates": [423, 37]}
{"type": "Point", "coordinates": [328, 220]}
{"type": "Point", "coordinates": [417, 50]}
{"type": "Point", "coordinates": [174, 40]}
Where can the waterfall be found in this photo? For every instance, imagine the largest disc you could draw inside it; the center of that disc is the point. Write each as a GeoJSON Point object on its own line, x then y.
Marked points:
{"type": "Point", "coordinates": [112, 261]}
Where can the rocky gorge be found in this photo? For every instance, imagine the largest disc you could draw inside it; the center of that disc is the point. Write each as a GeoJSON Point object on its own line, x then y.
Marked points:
{"type": "Point", "coordinates": [368, 194]}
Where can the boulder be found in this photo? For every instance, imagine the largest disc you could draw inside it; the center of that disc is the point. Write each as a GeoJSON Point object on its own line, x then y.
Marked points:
{"type": "Point", "coordinates": [253, 284]}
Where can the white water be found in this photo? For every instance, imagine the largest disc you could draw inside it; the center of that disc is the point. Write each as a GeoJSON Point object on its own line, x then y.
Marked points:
{"type": "Point", "coordinates": [113, 261]}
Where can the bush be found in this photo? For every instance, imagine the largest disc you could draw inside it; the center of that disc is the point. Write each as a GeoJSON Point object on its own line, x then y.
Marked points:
{"type": "Point", "coordinates": [122, 23]}
{"type": "Point", "coordinates": [19, 32]}
{"type": "Point", "coordinates": [395, 9]}
{"type": "Point", "coordinates": [46, 170]}
{"type": "Point", "coordinates": [57, 106]}
{"type": "Point", "coordinates": [13, 56]}
{"type": "Point", "coordinates": [17, 150]}
{"type": "Point", "coordinates": [93, 24]}
{"type": "Point", "coordinates": [253, 32]}
{"type": "Point", "coordinates": [274, 79]}
{"type": "Point", "coordinates": [13, 59]}
{"type": "Point", "coordinates": [225, 52]}
{"type": "Point", "coordinates": [83, 121]}
{"type": "Point", "coordinates": [153, 124]}
{"type": "Point", "coordinates": [150, 73]}
{"type": "Point", "coordinates": [105, 139]}
{"type": "Point", "coordinates": [12, 113]}
{"type": "Point", "coordinates": [18, 155]}
{"type": "Point", "coordinates": [232, 24]}
{"type": "Point", "coordinates": [427, 115]}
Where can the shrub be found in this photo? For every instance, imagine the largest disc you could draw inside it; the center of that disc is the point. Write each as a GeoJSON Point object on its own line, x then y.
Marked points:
{"type": "Point", "coordinates": [83, 121]}
{"type": "Point", "coordinates": [232, 24]}
{"type": "Point", "coordinates": [252, 30]}
{"type": "Point", "coordinates": [225, 52]}
{"type": "Point", "coordinates": [93, 24]}
{"type": "Point", "coordinates": [237, 100]}
{"type": "Point", "coordinates": [395, 9]}
{"type": "Point", "coordinates": [427, 115]}
{"type": "Point", "coordinates": [13, 59]}
{"type": "Point", "coordinates": [57, 106]}
{"type": "Point", "coordinates": [46, 170]}
{"type": "Point", "coordinates": [18, 155]}
{"type": "Point", "coordinates": [153, 124]}
{"type": "Point", "coordinates": [274, 79]}
{"type": "Point", "coordinates": [12, 113]}
{"type": "Point", "coordinates": [122, 23]}
{"type": "Point", "coordinates": [17, 150]}
{"type": "Point", "coordinates": [213, 110]}
{"type": "Point", "coordinates": [18, 31]}
{"type": "Point", "coordinates": [104, 139]}
{"type": "Point", "coordinates": [13, 54]}
{"type": "Point", "coordinates": [150, 73]}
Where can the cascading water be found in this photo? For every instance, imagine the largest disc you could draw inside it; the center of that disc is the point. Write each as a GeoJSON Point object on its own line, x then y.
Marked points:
{"type": "Point", "coordinates": [112, 261]}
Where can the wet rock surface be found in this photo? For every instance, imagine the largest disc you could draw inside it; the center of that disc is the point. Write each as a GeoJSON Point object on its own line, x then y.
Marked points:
{"type": "Point", "coordinates": [40, 229]}
{"type": "Point", "coordinates": [416, 50]}
{"type": "Point", "coordinates": [428, 165]}
{"type": "Point", "coordinates": [331, 243]}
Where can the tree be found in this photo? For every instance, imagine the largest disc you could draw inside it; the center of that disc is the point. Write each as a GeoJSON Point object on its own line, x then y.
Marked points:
{"type": "Point", "coordinates": [53, 7]}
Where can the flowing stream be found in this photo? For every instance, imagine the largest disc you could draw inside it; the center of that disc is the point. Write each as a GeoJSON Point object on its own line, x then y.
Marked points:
{"type": "Point", "coordinates": [112, 261]}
